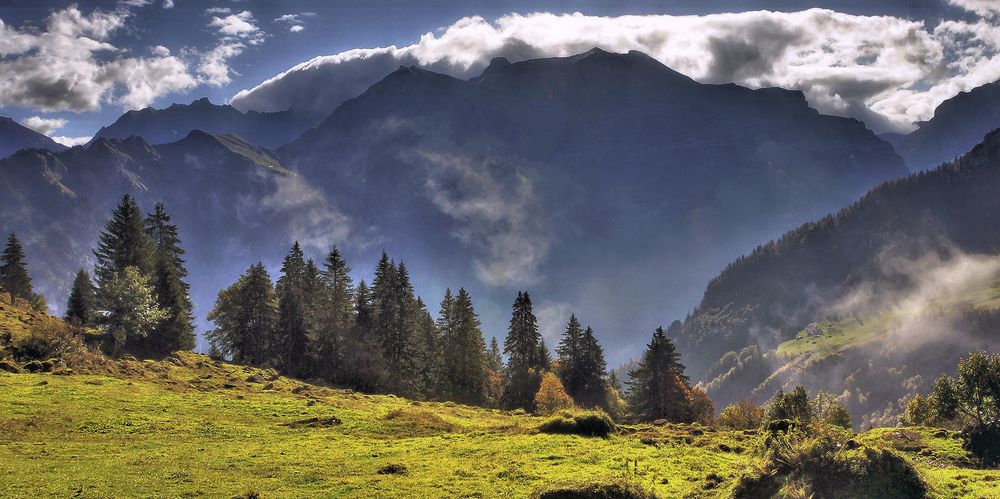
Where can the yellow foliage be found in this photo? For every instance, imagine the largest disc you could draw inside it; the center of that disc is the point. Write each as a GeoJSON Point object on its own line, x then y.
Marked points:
{"type": "Point", "coordinates": [551, 396]}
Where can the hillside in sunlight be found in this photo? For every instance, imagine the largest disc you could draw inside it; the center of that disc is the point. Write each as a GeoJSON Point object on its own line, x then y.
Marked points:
{"type": "Point", "coordinates": [188, 425]}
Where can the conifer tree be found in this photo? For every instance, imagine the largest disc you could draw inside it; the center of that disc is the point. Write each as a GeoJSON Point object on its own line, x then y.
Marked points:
{"type": "Point", "coordinates": [427, 351]}
{"type": "Point", "coordinates": [81, 306]}
{"type": "Point", "coordinates": [524, 360]}
{"type": "Point", "coordinates": [591, 390]}
{"type": "Point", "coordinates": [465, 355]}
{"type": "Point", "coordinates": [494, 360]}
{"type": "Point", "coordinates": [365, 368]}
{"type": "Point", "coordinates": [335, 311]}
{"type": "Point", "coordinates": [128, 307]}
{"type": "Point", "coordinates": [658, 388]}
{"type": "Point", "coordinates": [176, 331]}
{"type": "Point", "coordinates": [569, 356]}
{"type": "Point", "coordinates": [245, 317]}
{"type": "Point", "coordinates": [123, 243]}
{"type": "Point", "coordinates": [393, 304]}
{"type": "Point", "coordinates": [293, 308]}
{"type": "Point", "coordinates": [543, 359]}
{"type": "Point", "coordinates": [14, 277]}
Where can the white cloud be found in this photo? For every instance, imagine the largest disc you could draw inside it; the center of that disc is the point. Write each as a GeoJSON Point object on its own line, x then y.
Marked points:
{"type": "Point", "coordinates": [493, 208]}
{"type": "Point", "coordinates": [71, 141]}
{"type": "Point", "coordinates": [886, 70]}
{"type": "Point", "coordinates": [985, 8]}
{"type": "Point", "coordinates": [235, 31]}
{"type": "Point", "coordinates": [70, 65]}
{"type": "Point", "coordinates": [295, 22]}
{"type": "Point", "coordinates": [168, 4]}
{"type": "Point", "coordinates": [296, 28]}
{"type": "Point", "coordinates": [218, 10]}
{"type": "Point", "coordinates": [44, 126]}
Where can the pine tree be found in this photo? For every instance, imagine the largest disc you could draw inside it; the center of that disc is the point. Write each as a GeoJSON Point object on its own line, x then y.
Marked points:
{"type": "Point", "coordinates": [494, 360]}
{"type": "Point", "coordinates": [176, 331]}
{"type": "Point", "coordinates": [465, 369]}
{"type": "Point", "coordinates": [591, 390]}
{"type": "Point", "coordinates": [335, 309]}
{"type": "Point", "coordinates": [292, 328]}
{"type": "Point", "coordinates": [543, 359]}
{"type": "Point", "coordinates": [569, 357]}
{"type": "Point", "coordinates": [80, 308]}
{"type": "Point", "coordinates": [245, 317]}
{"type": "Point", "coordinates": [524, 360]}
{"type": "Point", "coordinates": [427, 351]}
{"type": "Point", "coordinates": [365, 368]}
{"type": "Point", "coordinates": [658, 388]}
{"type": "Point", "coordinates": [393, 304]}
{"type": "Point", "coordinates": [123, 243]}
{"type": "Point", "coordinates": [14, 277]}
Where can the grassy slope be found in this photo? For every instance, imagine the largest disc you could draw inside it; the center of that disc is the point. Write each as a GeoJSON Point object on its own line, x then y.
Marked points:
{"type": "Point", "coordinates": [192, 426]}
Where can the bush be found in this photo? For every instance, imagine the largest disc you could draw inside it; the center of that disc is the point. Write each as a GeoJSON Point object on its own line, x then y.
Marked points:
{"type": "Point", "coordinates": [984, 443]}
{"type": "Point", "coordinates": [51, 340]}
{"type": "Point", "coordinates": [551, 396]}
{"type": "Point", "coordinates": [794, 406]}
{"type": "Point", "coordinates": [588, 424]}
{"type": "Point", "coordinates": [744, 415]}
{"type": "Point", "coordinates": [828, 464]}
{"type": "Point", "coordinates": [606, 489]}
{"type": "Point", "coordinates": [826, 409]}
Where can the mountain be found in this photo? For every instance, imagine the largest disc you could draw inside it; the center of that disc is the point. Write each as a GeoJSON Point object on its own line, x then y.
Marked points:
{"type": "Point", "coordinates": [872, 302]}
{"type": "Point", "coordinates": [606, 183]}
{"type": "Point", "coordinates": [14, 136]}
{"type": "Point", "coordinates": [958, 125]}
{"type": "Point", "coordinates": [233, 201]}
{"type": "Point", "coordinates": [159, 126]}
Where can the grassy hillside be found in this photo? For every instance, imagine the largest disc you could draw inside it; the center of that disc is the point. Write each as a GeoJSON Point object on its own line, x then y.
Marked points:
{"type": "Point", "coordinates": [191, 426]}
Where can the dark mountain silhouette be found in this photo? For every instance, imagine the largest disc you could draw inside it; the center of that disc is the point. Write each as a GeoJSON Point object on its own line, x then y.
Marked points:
{"type": "Point", "coordinates": [14, 136]}
{"type": "Point", "coordinates": [608, 182]}
{"type": "Point", "coordinates": [770, 295]}
{"type": "Point", "coordinates": [959, 123]}
{"type": "Point", "coordinates": [160, 126]}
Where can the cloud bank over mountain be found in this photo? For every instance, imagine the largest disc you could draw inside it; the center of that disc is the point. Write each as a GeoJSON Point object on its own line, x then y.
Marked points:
{"type": "Point", "coordinates": [887, 71]}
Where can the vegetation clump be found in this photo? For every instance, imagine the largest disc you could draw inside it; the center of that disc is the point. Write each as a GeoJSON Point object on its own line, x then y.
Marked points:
{"type": "Point", "coordinates": [588, 424]}
{"type": "Point", "coordinates": [601, 489]}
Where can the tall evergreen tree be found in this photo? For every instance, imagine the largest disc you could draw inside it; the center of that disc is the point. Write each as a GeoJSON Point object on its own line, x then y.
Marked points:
{"type": "Point", "coordinates": [658, 388]}
{"type": "Point", "coordinates": [123, 243]}
{"type": "Point", "coordinates": [293, 308]}
{"type": "Point", "coordinates": [393, 304]}
{"type": "Point", "coordinates": [465, 370]}
{"type": "Point", "coordinates": [569, 356]}
{"type": "Point", "coordinates": [365, 368]}
{"type": "Point", "coordinates": [176, 331]}
{"type": "Point", "coordinates": [446, 330]}
{"type": "Point", "coordinates": [591, 390]}
{"type": "Point", "coordinates": [427, 362]}
{"type": "Point", "coordinates": [14, 277]}
{"type": "Point", "coordinates": [543, 359]}
{"type": "Point", "coordinates": [245, 317]}
{"type": "Point", "coordinates": [524, 362]}
{"type": "Point", "coordinates": [335, 310]}
{"type": "Point", "coordinates": [494, 359]}
{"type": "Point", "coordinates": [81, 306]}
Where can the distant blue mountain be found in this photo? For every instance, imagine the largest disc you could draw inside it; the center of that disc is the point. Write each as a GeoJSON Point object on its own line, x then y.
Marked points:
{"type": "Point", "coordinates": [14, 136]}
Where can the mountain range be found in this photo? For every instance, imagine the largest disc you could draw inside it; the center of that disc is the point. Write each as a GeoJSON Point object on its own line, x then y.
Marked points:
{"type": "Point", "coordinates": [14, 136]}
{"type": "Point", "coordinates": [871, 303]}
{"type": "Point", "coordinates": [607, 184]}
{"type": "Point", "coordinates": [160, 126]}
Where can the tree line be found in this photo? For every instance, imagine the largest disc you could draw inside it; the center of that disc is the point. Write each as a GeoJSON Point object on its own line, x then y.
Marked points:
{"type": "Point", "coordinates": [313, 322]}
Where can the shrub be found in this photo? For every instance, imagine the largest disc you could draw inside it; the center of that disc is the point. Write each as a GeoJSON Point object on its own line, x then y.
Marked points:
{"type": "Point", "coordinates": [827, 409]}
{"type": "Point", "coordinates": [794, 406]}
{"type": "Point", "coordinates": [588, 424]}
{"type": "Point", "coordinates": [744, 415]}
{"type": "Point", "coordinates": [551, 396]}
{"type": "Point", "coordinates": [984, 443]}
{"type": "Point", "coordinates": [700, 406]}
{"type": "Point", "coordinates": [602, 489]}
{"type": "Point", "coordinates": [920, 411]}
{"type": "Point", "coordinates": [51, 340]}
{"type": "Point", "coordinates": [828, 464]}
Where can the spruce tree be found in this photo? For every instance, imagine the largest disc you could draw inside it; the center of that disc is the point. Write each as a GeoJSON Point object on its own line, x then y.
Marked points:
{"type": "Point", "coordinates": [524, 360]}
{"type": "Point", "coordinates": [569, 356]}
{"type": "Point", "coordinates": [591, 390]}
{"type": "Point", "coordinates": [14, 277]}
{"type": "Point", "coordinates": [494, 360]}
{"type": "Point", "coordinates": [393, 304]}
{"type": "Point", "coordinates": [81, 306]}
{"type": "Point", "coordinates": [292, 328]}
{"type": "Point", "coordinates": [123, 243]}
{"type": "Point", "coordinates": [447, 332]}
{"type": "Point", "coordinates": [465, 355]}
{"type": "Point", "coordinates": [365, 368]}
{"type": "Point", "coordinates": [658, 388]}
{"type": "Point", "coordinates": [245, 317]}
{"type": "Point", "coordinates": [176, 331]}
{"type": "Point", "coordinates": [427, 352]}
{"type": "Point", "coordinates": [336, 318]}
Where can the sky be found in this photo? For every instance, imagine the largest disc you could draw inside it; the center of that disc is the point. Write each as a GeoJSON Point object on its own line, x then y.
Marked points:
{"type": "Point", "coordinates": [66, 69]}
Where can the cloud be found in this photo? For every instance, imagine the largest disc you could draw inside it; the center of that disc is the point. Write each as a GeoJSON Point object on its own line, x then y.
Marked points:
{"type": "Point", "coordinates": [296, 28]}
{"type": "Point", "coordinates": [984, 8]}
{"type": "Point", "coordinates": [70, 65]}
{"type": "Point", "coordinates": [235, 31]}
{"type": "Point", "coordinates": [168, 4]}
{"type": "Point", "coordinates": [493, 207]}
{"type": "Point", "coordinates": [552, 318]}
{"type": "Point", "coordinates": [218, 10]}
{"type": "Point", "coordinates": [240, 25]}
{"type": "Point", "coordinates": [887, 70]}
{"type": "Point", "coordinates": [44, 126]}
{"type": "Point", "coordinates": [295, 22]}
{"type": "Point", "coordinates": [310, 217]}
{"type": "Point", "coordinates": [72, 141]}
